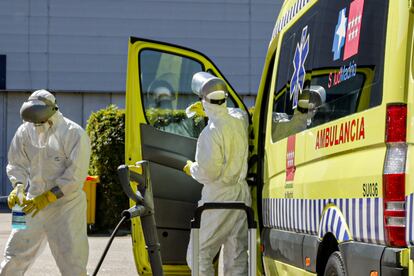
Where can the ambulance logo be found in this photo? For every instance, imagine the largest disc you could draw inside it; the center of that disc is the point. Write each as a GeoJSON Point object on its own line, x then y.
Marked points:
{"type": "Point", "coordinates": [348, 30]}
{"type": "Point", "coordinates": [340, 33]}
{"type": "Point", "coordinates": [299, 72]}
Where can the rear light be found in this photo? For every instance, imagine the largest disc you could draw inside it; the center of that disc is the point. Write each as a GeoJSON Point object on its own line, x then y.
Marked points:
{"type": "Point", "coordinates": [395, 205]}
{"type": "Point", "coordinates": [396, 221]}
{"type": "Point", "coordinates": [395, 158]}
{"type": "Point", "coordinates": [394, 175]}
{"type": "Point", "coordinates": [396, 123]}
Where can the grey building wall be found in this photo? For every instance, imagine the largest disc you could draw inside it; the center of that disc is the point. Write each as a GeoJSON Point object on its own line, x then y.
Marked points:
{"type": "Point", "coordinates": [81, 45]}
{"type": "Point", "coordinates": [78, 48]}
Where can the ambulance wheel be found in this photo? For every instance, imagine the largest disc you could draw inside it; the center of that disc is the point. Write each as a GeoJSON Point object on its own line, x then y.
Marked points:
{"type": "Point", "coordinates": [335, 265]}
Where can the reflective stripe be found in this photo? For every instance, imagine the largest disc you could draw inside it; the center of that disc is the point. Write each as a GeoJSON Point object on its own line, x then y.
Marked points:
{"type": "Point", "coordinates": [362, 216]}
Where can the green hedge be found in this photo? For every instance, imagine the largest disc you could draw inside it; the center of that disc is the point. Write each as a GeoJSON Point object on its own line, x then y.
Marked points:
{"type": "Point", "coordinates": [106, 129]}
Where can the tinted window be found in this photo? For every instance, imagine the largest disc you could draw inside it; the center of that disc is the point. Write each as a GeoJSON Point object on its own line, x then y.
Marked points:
{"type": "Point", "coordinates": [166, 91]}
{"type": "Point", "coordinates": [344, 66]}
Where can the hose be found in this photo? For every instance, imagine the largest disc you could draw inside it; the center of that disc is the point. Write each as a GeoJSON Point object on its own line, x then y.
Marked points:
{"type": "Point", "coordinates": [108, 245]}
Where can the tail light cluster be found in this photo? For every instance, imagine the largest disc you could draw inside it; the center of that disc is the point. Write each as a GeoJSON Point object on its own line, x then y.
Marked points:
{"type": "Point", "coordinates": [394, 175]}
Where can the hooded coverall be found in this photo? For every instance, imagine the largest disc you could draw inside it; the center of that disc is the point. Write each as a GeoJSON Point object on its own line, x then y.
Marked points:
{"type": "Point", "coordinates": [46, 156]}
{"type": "Point", "coordinates": [221, 166]}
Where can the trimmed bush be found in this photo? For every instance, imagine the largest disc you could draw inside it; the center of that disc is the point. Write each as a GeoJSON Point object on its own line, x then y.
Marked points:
{"type": "Point", "coordinates": [106, 129]}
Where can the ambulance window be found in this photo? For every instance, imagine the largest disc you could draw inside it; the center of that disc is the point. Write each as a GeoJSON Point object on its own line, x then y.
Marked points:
{"type": "Point", "coordinates": [341, 100]}
{"type": "Point", "coordinates": [285, 69]}
{"type": "Point", "coordinates": [349, 58]}
{"type": "Point", "coordinates": [293, 69]}
{"type": "Point", "coordinates": [166, 91]}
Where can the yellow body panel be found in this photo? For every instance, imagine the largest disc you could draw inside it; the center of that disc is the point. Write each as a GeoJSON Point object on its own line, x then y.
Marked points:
{"type": "Point", "coordinates": [410, 104]}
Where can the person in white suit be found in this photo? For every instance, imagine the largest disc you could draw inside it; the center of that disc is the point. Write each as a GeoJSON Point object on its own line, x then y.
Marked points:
{"type": "Point", "coordinates": [221, 166]}
{"type": "Point", "coordinates": [49, 156]}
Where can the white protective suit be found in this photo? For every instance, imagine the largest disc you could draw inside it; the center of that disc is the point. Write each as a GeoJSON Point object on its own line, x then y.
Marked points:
{"type": "Point", "coordinates": [221, 166]}
{"type": "Point", "coordinates": [55, 154]}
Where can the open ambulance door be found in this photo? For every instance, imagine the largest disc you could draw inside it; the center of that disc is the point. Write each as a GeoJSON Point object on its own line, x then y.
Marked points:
{"type": "Point", "coordinates": [158, 90]}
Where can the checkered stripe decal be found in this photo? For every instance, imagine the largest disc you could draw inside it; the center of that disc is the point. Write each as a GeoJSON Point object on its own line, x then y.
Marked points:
{"type": "Point", "coordinates": [289, 15]}
{"type": "Point", "coordinates": [362, 216]}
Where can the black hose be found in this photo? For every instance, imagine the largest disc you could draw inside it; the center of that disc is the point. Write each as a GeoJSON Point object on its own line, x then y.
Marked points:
{"type": "Point", "coordinates": [108, 245]}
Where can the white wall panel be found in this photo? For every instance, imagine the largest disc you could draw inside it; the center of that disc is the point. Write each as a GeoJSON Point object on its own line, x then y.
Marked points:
{"type": "Point", "coordinates": [92, 63]}
{"type": "Point", "coordinates": [15, 43]}
{"type": "Point", "coordinates": [38, 7]}
{"type": "Point", "coordinates": [11, 123]}
{"type": "Point", "coordinates": [94, 102]}
{"type": "Point", "coordinates": [38, 25]}
{"type": "Point", "coordinates": [77, 37]}
{"type": "Point", "coordinates": [87, 81]}
{"type": "Point", "coordinates": [260, 30]}
{"type": "Point", "coordinates": [14, 23]}
{"type": "Point", "coordinates": [259, 48]}
{"type": "Point", "coordinates": [13, 120]}
{"type": "Point", "coordinates": [160, 27]}
{"type": "Point", "coordinates": [8, 7]}
{"type": "Point", "coordinates": [76, 44]}
{"type": "Point", "coordinates": [71, 106]}
{"type": "Point", "coordinates": [118, 99]}
{"type": "Point", "coordinates": [267, 11]}
{"type": "Point", "coordinates": [38, 43]}
{"type": "Point", "coordinates": [206, 10]}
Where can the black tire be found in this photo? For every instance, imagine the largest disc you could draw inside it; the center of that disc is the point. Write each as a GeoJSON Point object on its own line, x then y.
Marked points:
{"type": "Point", "coordinates": [335, 265]}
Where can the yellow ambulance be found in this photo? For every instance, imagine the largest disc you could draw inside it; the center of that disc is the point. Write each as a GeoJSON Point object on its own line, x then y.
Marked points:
{"type": "Point", "coordinates": [332, 138]}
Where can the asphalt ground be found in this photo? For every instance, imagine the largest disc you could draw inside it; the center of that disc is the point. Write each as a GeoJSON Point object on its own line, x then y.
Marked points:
{"type": "Point", "coordinates": [118, 261]}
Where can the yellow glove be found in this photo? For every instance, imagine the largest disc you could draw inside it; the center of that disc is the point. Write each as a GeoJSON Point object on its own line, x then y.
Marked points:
{"type": "Point", "coordinates": [13, 199]}
{"type": "Point", "coordinates": [187, 167]}
{"type": "Point", "coordinates": [38, 203]}
{"type": "Point", "coordinates": [196, 109]}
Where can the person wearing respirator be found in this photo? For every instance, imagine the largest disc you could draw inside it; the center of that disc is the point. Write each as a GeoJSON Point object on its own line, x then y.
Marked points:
{"type": "Point", "coordinates": [221, 166]}
{"type": "Point", "coordinates": [50, 154]}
